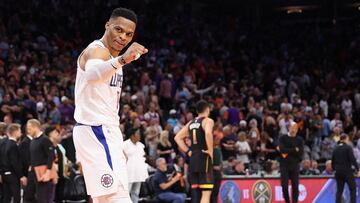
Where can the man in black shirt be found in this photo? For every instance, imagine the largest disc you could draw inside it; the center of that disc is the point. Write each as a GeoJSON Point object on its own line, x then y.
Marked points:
{"type": "Point", "coordinates": [55, 139]}
{"type": "Point", "coordinates": [12, 166]}
{"type": "Point", "coordinates": [201, 154]}
{"type": "Point", "coordinates": [162, 184]}
{"type": "Point", "coordinates": [342, 160]}
{"type": "Point", "coordinates": [291, 150]}
{"type": "Point", "coordinates": [41, 154]}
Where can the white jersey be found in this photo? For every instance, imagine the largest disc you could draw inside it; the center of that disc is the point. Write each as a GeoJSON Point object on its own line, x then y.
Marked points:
{"type": "Point", "coordinates": [97, 103]}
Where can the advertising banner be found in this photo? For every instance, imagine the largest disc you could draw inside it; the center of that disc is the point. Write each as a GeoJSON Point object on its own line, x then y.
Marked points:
{"type": "Point", "coordinates": [248, 190]}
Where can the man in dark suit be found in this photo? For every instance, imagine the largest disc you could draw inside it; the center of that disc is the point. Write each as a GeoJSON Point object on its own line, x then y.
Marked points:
{"type": "Point", "coordinates": [12, 166]}
{"type": "Point", "coordinates": [3, 137]}
{"type": "Point", "coordinates": [342, 161]}
{"type": "Point", "coordinates": [291, 150]}
{"type": "Point", "coordinates": [29, 190]}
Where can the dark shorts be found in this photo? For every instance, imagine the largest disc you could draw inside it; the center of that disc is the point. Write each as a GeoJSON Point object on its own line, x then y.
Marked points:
{"type": "Point", "coordinates": [202, 180]}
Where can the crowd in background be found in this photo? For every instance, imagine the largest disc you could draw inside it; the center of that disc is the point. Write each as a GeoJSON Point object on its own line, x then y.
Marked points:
{"type": "Point", "coordinates": [258, 80]}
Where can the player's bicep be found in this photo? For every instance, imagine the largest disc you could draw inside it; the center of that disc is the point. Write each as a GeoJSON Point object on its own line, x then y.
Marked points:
{"type": "Point", "coordinates": [209, 125]}
{"type": "Point", "coordinates": [96, 53]}
{"type": "Point", "coordinates": [183, 132]}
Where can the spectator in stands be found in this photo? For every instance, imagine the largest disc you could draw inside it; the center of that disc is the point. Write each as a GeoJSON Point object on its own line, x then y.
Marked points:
{"type": "Point", "coordinates": [229, 165]}
{"type": "Point", "coordinates": [172, 118]}
{"type": "Point", "coordinates": [181, 167]}
{"type": "Point", "coordinates": [239, 169]}
{"type": "Point", "coordinates": [165, 148]}
{"type": "Point", "coordinates": [254, 137]}
{"type": "Point", "coordinates": [266, 147]}
{"type": "Point", "coordinates": [306, 168]}
{"type": "Point", "coordinates": [66, 110]}
{"type": "Point", "coordinates": [137, 169]}
{"type": "Point", "coordinates": [314, 167]}
{"type": "Point", "coordinates": [243, 148]}
{"type": "Point", "coordinates": [316, 130]}
{"type": "Point", "coordinates": [328, 169]}
{"type": "Point", "coordinates": [163, 183]}
{"type": "Point", "coordinates": [152, 113]}
{"type": "Point", "coordinates": [228, 142]}
{"type": "Point", "coordinates": [270, 168]}
{"type": "Point", "coordinates": [336, 122]}
{"type": "Point", "coordinates": [180, 124]}
{"type": "Point", "coordinates": [284, 123]}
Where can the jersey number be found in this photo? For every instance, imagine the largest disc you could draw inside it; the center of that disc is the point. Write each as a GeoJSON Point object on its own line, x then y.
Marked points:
{"type": "Point", "coordinates": [194, 136]}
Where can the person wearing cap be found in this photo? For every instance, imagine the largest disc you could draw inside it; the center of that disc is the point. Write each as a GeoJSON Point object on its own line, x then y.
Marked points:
{"type": "Point", "coordinates": [342, 161]}
{"type": "Point", "coordinates": [291, 149]}
{"type": "Point", "coordinates": [172, 118]}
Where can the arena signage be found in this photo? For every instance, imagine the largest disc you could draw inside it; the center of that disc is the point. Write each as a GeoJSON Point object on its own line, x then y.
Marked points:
{"type": "Point", "coordinates": [269, 190]}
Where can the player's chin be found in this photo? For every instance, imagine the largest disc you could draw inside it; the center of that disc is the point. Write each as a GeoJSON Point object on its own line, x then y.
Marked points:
{"type": "Point", "coordinates": [118, 47]}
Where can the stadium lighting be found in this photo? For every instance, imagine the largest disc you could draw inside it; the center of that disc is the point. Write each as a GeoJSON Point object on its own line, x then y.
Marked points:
{"type": "Point", "coordinates": [294, 10]}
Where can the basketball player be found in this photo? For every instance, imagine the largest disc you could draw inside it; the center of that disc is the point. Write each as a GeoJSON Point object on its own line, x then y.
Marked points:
{"type": "Point", "coordinates": [97, 137]}
{"type": "Point", "coordinates": [201, 152]}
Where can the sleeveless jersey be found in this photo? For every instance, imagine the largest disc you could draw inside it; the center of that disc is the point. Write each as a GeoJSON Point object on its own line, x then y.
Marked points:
{"type": "Point", "coordinates": [199, 161]}
{"type": "Point", "coordinates": [97, 103]}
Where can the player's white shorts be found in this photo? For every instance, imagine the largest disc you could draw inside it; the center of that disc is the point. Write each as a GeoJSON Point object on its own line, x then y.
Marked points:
{"type": "Point", "coordinates": [99, 150]}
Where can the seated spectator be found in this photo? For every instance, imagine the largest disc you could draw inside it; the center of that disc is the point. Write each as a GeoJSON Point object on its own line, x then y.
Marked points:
{"type": "Point", "coordinates": [314, 167]}
{"type": "Point", "coordinates": [328, 169]}
{"type": "Point", "coordinates": [270, 168]}
{"type": "Point", "coordinates": [229, 165]}
{"type": "Point", "coordinates": [228, 147]}
{"type": "Point", "coordinates": [306, 170]}
{"type": "Point", "coordinates": [163, 184]}
{"type": "Point", "coordinates": [239, 169]}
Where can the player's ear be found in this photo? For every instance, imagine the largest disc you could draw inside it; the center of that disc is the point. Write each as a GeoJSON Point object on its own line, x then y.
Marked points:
{"type": "Point", "coordinates": [107, 25]}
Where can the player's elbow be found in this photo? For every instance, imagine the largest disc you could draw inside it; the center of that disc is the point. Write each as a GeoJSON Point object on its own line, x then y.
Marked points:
{"type": "Point", "coordinates": [177, 138]}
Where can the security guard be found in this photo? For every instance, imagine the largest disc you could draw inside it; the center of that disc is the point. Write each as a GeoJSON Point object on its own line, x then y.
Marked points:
{"type": "Point", "coordinates": [12, 172]}
{"type": "Point", "coordinates": [342, 161]}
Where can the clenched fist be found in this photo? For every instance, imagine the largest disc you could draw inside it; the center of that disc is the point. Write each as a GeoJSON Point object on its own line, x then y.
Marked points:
{"type": "Point", "coordinates": [133, 53]}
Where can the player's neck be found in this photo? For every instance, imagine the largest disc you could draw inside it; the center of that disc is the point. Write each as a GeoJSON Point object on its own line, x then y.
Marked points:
{"type": "Point", "coordinates": [113, 52]}
{"type": "Point", "coordinates": [202, 115]}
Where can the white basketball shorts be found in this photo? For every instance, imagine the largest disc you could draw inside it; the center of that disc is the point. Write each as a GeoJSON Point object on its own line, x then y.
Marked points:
{"type": "Point", "coordinates": [99, 150]}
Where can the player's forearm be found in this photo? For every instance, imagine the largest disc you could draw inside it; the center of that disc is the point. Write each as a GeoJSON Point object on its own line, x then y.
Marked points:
{"type": "Point", "coordinates": [210, 144]}
{"type": "Point", "coordinates": [97, 70]}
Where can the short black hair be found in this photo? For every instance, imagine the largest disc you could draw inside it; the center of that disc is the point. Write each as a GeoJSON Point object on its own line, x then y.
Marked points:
{"type": "Point", "coordinates": [201, 106]}
{"type": "Point", "coordinates": [125, 13]}
{"type": "Point", "coordinates": [49, 129]}
{"type": "Point", "coordinates": [343, 136]}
